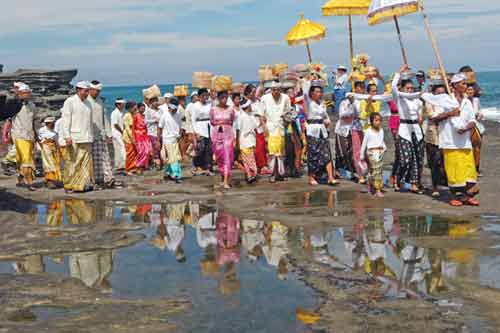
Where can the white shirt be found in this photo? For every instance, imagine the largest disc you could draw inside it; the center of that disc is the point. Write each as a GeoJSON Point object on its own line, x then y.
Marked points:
{"type": "Point", "coordinates": [372, 139]}
{"type": "Point", "coordinates": [247, 124]}
{"type": "Point", "coordinates": [316, 112]}
{"type": "Point", "coordinates": [116, 119]}
{"type": "Point", "coordinates": [188, 114]}
{"type": "Point", "coordinates": [449, 138]}
{"type": "Point", "coordinates": [341, 81]}
{"type": "Point", "coordinates": [22, 123]}
{"type": "Point", "coordinates": [206, 233]}
{"type": "Point", "coordinates": [46, 133]}
{"type": "Point", "coordinates": [201, 119]}
{"type": "Point", "coordinates": [410, 108]}
{"type": "Point", "coordinates": [344, 126]}
{"type": "Point", "coordinates": [100, 121]}
{"type": "Point", "coordinates": [152, 118]}
{"type": "Point", "coordinates": [274, 111]}
{"type": "Point", "coordinates": [77, 121]}
{"type": "Point", "coordinates": [58, 129]}
{"type": "Point", "coordinates": [171, 129]}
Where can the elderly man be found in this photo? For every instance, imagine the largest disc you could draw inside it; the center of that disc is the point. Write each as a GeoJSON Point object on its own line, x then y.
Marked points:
{"type": "Point", "coordinates": [276, 105]}
{"type": "Point", "coordinates": [117, 134]}
{"type": "Point", "coordinates": [103, 172]}
{"type": "Point", "coordinates": [77, 131]}
{"type": "Point", "coordinates": [24, 137]}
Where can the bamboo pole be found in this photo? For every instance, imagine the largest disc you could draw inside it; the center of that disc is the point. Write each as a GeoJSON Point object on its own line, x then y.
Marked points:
{"type": "Point", "coordinates": [308, 51]}
{"type": "Point", "coordinates": [398, 30]}
{"type": "Point", "coordinates": [434, 46]}
{"type": "Point", "coordinates": [351, 46]}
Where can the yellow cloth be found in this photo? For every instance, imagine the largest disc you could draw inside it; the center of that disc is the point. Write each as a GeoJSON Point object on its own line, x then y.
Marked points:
{"type": "Point", "coordinates": [128, 121]}
{"type": "Point", "coordinates": [66, 157]}
{"type": "Point", "coordinates": [247, 151]}
{"type": "Point", "coordinates": [80, 212]}
{"type": "Point", "coordinates": [51, 161]}
{"type": "Point", "coordinates": [276, 145]}
{"type": "Point", "coordinates": [24, 159]}
{"type": "Point", "coordinates": [170, 153]}
{"type": "Point", "coordinates": [460, 167]}
{"type": "Point", "coordinates": [24, 153]}
{"type": "Point", "coordinates": [79, 167]}
{"type": "Point", "coordinates": [55, 214]}
{"type": "Point", "coordinates": [366, 111]}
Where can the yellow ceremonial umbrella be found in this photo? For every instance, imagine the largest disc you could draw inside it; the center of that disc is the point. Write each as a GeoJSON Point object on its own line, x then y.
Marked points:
{"type": "Point", "coordinates": [386, 10]}
{"type": "Point", "coordinates": [347, 8]}
{"type": "Point", "coordinates": [304, 32]}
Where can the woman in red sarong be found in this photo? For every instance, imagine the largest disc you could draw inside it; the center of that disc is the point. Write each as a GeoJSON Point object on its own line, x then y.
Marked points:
{"type": "Point", "coordinates": [142, 141]}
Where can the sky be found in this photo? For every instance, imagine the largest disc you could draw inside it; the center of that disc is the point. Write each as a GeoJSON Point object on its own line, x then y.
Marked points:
{"type": "Point", "coordinates": [164, 41]}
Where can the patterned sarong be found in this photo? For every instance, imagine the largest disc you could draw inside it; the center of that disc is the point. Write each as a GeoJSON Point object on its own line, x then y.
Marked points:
{"type": "Point", "coordinates": [248, 158]}
{"type": "Point", "coordinates": [51, 161]}
{"type": "Point", "coordinates": [79, 165]}
{"type": "Point", "coordinates": [318, 156]}
{"type": "Point", "coordinates": [171, 156]}
{"type": "Point", "coordinates": [103, 172]}
{"type": "Point", "coordinates": [376, 166]}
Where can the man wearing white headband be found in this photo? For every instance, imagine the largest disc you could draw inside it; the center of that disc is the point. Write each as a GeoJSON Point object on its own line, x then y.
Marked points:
{"type": "Point", "coordinates": [275, 105]}
{"type": "Point", "coordinates": [24, 136]}
{"type": "Point", "coordinates": [455, 140]}
{"type": "Point", "coordinates": [77, 131]}
{"type": "Point", "coordinates": [103, 172]}
{"type": "Point", "coordinates": [117, 134]}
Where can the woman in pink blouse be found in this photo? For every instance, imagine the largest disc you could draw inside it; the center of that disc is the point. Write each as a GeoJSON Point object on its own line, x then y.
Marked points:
{"type": "Point", "coordinates": [222, 118]}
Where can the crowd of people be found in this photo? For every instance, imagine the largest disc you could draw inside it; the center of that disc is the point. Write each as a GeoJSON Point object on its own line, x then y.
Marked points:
{"type": "Point", "coordinates": [273, 130]}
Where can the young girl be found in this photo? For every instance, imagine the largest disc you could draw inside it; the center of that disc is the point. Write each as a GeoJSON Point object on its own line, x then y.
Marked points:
{"type": "Point", "coordinates": [247, 124]}
{"type": "Point", "coordinates": [374, 147]}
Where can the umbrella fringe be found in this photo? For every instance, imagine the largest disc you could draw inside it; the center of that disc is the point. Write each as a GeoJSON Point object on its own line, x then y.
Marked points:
{"type": "Point", "coordinates": [305, 40]}
{"type": "Point", "coordinates": [388, 14]}
{"type": "Point", "coordinates": [344, 11]}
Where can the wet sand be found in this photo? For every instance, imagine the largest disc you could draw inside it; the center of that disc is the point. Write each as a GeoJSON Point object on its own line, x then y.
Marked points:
{"type": "Point", "coordinates": [347, 300]}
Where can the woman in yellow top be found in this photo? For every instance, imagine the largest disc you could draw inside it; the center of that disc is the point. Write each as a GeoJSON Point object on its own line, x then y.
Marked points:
{"type": "Point", "coordinates": [369, 106]}
{"type": "Point", "coordinates": [129, 140]}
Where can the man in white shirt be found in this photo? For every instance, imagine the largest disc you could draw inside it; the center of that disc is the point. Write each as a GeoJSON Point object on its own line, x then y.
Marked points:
{"type": "Point", "coordinates": [103, 172]}
{"type": "Point", "coordinates": [455, 140]}
{"type": "Point", "coordinates": [152, 118]}
{"type": "Point", "coordinates": [201, 124]}
{"type": "Point", "coordinates": [169, 129]}
{"type": "Point", "coordinates": [275, 106]}
{"type": "Point", "coordinates": [117, 134]}
{"type": "Point", "coordinates": [77, 130]}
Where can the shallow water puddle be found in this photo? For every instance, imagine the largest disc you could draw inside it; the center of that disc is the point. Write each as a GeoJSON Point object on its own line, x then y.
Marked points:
{"type": "Point", "coordinates": [386, 248]}
{"type": "Point", "coordinates": [234, 271]}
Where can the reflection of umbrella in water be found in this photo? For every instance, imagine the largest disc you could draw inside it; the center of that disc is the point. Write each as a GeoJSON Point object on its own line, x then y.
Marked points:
{"type": "Point", "coordinates": [304, 32]}
{"type": "Point", "coordinates": [347, 8]}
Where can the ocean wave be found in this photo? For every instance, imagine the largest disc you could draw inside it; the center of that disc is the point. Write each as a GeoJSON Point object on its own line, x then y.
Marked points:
{"type": "Point", "coordinates": [491, 114]}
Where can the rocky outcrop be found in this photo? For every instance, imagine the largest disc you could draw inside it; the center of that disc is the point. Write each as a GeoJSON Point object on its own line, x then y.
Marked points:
{"type": "Point", "coordinates": [50, 87]}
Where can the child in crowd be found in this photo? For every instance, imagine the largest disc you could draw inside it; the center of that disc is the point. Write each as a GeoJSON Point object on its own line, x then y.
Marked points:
{"type": "Point", "coordinates": [169, 129]}
{"type": "Point", "coordinates": [50, 153]}
{"type": "Point", "coordinates": [247, 125]}
{"type": "Point", "coordinates": [373, 149]}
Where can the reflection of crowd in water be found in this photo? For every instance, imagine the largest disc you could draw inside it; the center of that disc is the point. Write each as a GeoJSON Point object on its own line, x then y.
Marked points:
{"type": "Point", "coordinates": [222, 237]}
{"type": "Point", "coordinates": [379, 248]}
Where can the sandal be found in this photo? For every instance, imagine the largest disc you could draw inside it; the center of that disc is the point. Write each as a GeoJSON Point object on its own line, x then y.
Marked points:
{"type": "Point", "coordinates": [333, 183]}
{"type": "Point", "coordinates": [471, 202]}
{"type": "Point", "coordinates": [456, 203]}
{"type": "Point", "coordinates": [436, 194]}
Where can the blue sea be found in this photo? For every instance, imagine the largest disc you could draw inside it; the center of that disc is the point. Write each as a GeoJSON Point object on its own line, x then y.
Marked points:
{"type": "Point", "coordinates": [489, 82]}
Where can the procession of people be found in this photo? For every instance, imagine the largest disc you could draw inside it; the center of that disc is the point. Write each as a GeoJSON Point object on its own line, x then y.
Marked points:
{"type": "Point", "coordinates": [278, 129]}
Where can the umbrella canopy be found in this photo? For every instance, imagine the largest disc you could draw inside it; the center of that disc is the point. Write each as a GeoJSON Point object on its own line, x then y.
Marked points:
{"type": "Point", "coordinates": [305, 31]}
{"type": "Point", "coordinates": [385, 10]}
{"type": "Point", "coordinates": [346, 7]}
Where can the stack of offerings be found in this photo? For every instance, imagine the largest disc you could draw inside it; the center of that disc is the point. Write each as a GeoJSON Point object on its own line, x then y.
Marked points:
{"type": "Point", "coordinates": [181, 91]}
{"type": "Point", "coordinates": [301, 70]}
{"type": "Point", "coordinates": [202, 80]}
{"type": "Point", "coordinates": [222, 83]}
{"type": "Point", "coordinates": [151, 92]}
{"type": "Point", "coordinates": [266, 73]}
{"type": "Point", "coordinates": [279, 69]}
{"type": "Point", "coordinates": [237, 88]}
{"type": "Point", "coordinates": [288, 80]}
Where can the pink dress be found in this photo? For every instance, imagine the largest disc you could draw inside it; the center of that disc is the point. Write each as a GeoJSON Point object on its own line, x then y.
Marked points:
{"type": "Point", "coordinates": [142, 141]}
{"type": "Point", "coordinates": [228, 239]}
{"type": "Point", "coordinates": [394, 118]}
{"type": "Point", "coordinates": [222, 136]}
